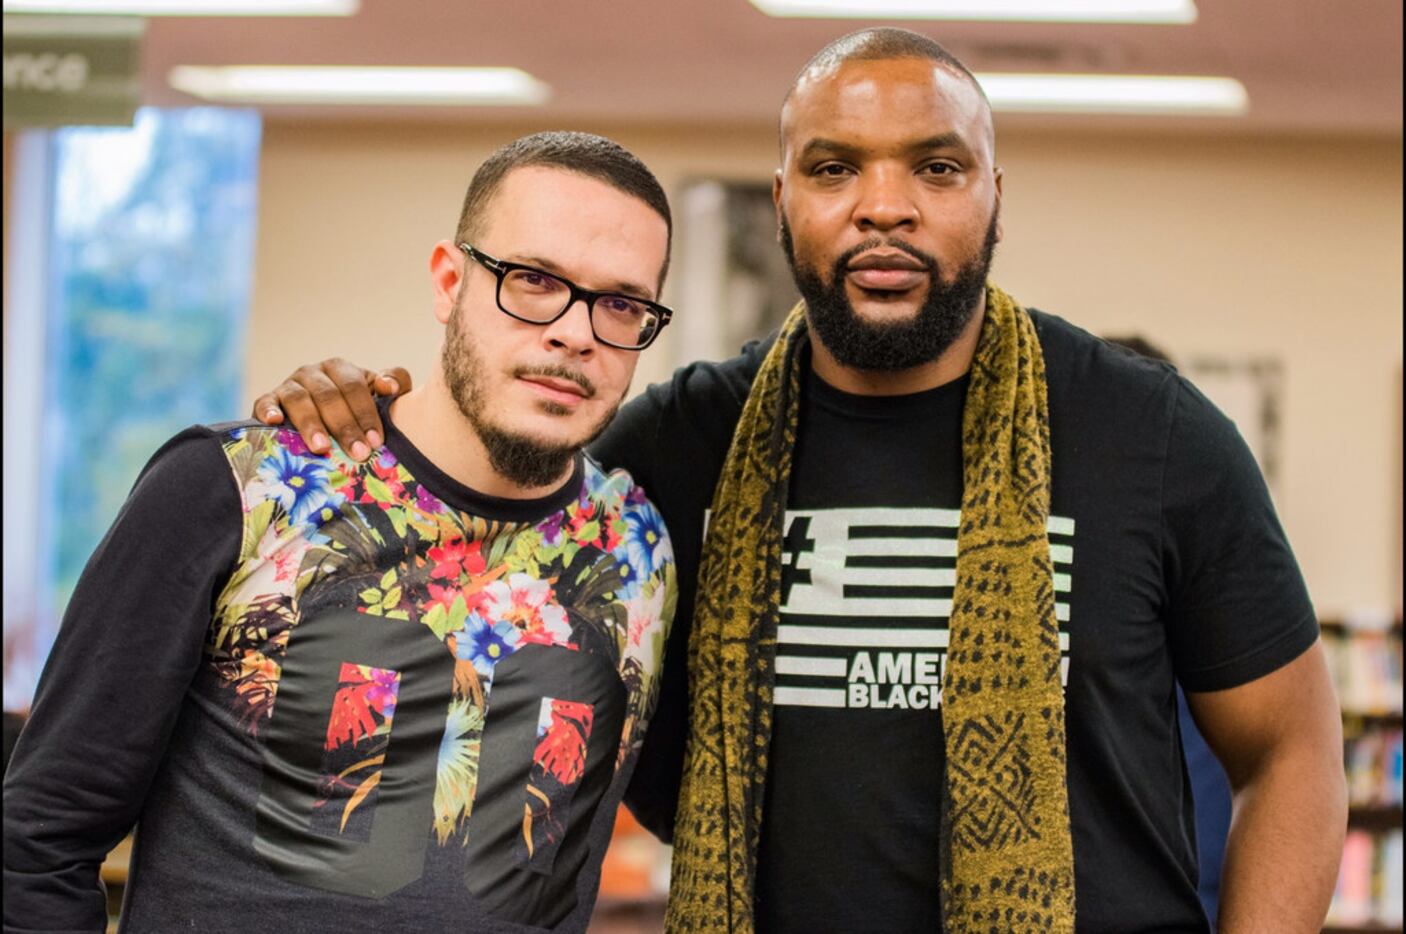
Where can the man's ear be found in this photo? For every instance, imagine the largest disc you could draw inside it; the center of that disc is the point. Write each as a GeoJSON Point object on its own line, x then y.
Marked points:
{"type": "Point", "coordinates": [446, 275]}
{"type": "Point", "coordinates": [776, 201]}
{"type": "Point", "coordinates": [999, 174]}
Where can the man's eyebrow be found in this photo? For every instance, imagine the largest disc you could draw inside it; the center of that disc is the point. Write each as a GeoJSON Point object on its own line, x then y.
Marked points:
{"type": "Point", "coordinates": [940, 141]}
{"type": "Point", "coordinates": [622, 286]}
{"type": "Point", "coordinates": [820, 146]}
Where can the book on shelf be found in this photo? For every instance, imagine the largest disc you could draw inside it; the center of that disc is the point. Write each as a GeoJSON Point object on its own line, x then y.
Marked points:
{"type": "Point", "coordinates": [1372, 759]}
{"type": "Point", "coordinates": [1366, 667]}
{"type": "Point", "coordinates": [1369, 883]}
{"type": "Point", "coordinates": [1364, 655]}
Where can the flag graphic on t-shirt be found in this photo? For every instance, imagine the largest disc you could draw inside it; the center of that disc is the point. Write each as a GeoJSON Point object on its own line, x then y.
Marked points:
{"type": "Point", "coordinates": [865, 599]}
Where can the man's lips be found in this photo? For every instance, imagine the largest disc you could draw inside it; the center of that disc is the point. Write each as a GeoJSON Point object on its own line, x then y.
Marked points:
{"type": "Point", "coordinates": [887, 271]}
{"type": "Point", "coordinates": [559, 390]}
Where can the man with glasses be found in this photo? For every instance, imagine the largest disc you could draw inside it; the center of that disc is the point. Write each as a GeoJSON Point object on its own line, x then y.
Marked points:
{"type": "Point", "coordinates": [399, 687]}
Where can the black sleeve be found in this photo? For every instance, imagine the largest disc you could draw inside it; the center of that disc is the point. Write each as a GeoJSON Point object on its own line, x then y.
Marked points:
{"type": "Point", "coordinates": [673, 440]}
{"type": "Point", "coordinates": [115, 680]}
{"type": "Point", "coordinates": [1238, 607]}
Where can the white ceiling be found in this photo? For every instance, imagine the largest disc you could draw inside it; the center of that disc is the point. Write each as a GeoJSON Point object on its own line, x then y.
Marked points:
{"type": "Point", "coordinates": [1311, 66]}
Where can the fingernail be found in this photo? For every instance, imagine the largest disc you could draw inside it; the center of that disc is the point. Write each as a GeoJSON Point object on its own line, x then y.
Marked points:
{"type": "Point", "coordinates": [359, 451]}
{"type": "Point", "coordinates": [318, 442]}
{"type": "Point", "coordinates": [395, 386]}
{"type": "Point", "coordinates": [374, 437]}
{"type": "Point", "coordinates": [273, 412]}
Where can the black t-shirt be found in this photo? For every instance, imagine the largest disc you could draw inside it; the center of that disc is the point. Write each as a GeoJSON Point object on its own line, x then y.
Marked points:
{"type": "Point", "coordinates": [1170, 565]}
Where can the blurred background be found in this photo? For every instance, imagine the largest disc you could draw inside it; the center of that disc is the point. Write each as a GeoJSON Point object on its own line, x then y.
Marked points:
{"type": "Point", "coordinates": [179, 236]}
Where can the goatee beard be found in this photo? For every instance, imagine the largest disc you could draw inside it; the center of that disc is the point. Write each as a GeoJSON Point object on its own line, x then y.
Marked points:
{"type": "Point", "coordinates": [517, 457]}
{"type": "Point", "coordinates": [890, 345]}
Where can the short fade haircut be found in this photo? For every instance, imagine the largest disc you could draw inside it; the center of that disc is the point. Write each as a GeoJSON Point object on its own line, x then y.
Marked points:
{"type": "Point", "coordinates": [881, 43]}
{"type": "Point", "coordinates": [583, 153]}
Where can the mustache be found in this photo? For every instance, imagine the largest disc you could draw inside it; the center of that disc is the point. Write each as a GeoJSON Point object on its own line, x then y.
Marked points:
{"type": "Point", "coordinates": [558, 371]}
{"type": "Point", "coordinates": [873, 243]}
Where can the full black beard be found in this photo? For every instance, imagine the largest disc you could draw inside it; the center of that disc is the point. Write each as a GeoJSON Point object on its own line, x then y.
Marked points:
{"type": "Point", "coordinates": [891, 345]}
{"type": "Point", "coordinates": [520, 458]}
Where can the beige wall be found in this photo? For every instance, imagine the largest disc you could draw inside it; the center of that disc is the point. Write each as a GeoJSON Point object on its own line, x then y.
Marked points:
{"type": "Point", "coordinates": [1210, 245]}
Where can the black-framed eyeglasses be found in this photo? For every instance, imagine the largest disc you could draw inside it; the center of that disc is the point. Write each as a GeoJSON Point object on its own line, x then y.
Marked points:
{"type": "Point", "coordinates": [540, 297]}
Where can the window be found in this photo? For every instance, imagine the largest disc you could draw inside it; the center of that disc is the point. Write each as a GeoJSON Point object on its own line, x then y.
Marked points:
{"type": "Point", "coordinates": [128, 282]}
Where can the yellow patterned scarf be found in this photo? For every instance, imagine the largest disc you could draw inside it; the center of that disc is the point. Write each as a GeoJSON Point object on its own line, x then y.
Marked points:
{"type": "Point", "coordinates": [1007, 857]}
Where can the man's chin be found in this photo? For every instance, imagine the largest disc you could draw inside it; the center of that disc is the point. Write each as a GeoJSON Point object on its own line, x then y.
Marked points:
{"type": "Point", "coordinates": [880, 307]}
{"type": "Point", "coordinates": [548, 425]}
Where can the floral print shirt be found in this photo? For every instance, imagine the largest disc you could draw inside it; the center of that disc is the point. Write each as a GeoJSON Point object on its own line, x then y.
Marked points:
{"type": "Point", "coordinates": [409, 702]}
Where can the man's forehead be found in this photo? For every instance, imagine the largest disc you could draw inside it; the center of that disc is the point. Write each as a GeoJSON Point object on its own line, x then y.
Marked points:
{"type": "Point", "coordinates": [938, 101]}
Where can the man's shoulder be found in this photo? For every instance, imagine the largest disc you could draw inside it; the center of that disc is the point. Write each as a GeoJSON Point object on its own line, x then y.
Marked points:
{"type": "Point", "coordinates": [244, 440]}
{"type": "Point", "coordinates": [632, 529]}
{"type": "Point", "coordinates": [272, 464]}
{"type": "Point", "coordinates": [1075, 357]}
{"type": "Point", "coordinates": [255, 434]}
{"type": "Point", "coordinates": [191, 450]}
{"type": "Point", "coordinates": [688, 418]}
{"type": "Point", "coordinates": [617, 490]}
{"type": "Point", "coordinates": [186, 481]}
{"type": "Point", "coordinates": [707, 384]}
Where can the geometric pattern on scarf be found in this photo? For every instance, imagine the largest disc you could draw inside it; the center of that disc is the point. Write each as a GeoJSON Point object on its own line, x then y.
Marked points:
{"type": "Point", "coordinates": [1008, 858]}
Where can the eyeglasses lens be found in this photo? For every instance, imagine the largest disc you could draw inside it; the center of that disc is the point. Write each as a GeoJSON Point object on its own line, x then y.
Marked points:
{"type": "Point", "coordinates": [616, 319]}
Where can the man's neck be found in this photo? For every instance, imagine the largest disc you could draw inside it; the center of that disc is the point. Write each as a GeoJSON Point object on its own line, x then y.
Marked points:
{"type": "Point", "coordinates": [952, 364]}
{"type": "Point", "coordinates": [430, 418]}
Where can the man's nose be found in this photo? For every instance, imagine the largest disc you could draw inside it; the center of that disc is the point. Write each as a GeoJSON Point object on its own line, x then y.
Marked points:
{"type": "Point", "coordinates": [572, 331]}
{"type": "Point", "coordinates": [885, 201]}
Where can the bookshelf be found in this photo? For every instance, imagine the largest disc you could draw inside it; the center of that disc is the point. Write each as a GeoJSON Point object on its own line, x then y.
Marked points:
{"type": "Point", "coordinates": [1365, 657]}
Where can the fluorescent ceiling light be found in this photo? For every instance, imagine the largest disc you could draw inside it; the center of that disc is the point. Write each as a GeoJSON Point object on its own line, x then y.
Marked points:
{"type": "Point", "coordinates": [1050, 11]}
{"type": "Point", "coordinates": [187, 7]}
{"type": "Point", "coordinates": [1127, 94]}
{"type": "Point", "coordinates": [342, 84]}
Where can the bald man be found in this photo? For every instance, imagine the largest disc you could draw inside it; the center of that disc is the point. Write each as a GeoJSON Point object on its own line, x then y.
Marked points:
{"type": "Point", "coordinates": [958, 555]}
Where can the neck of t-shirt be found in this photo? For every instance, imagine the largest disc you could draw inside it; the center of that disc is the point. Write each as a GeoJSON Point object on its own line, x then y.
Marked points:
{"type": "Point", "coordinates": [950, 394]}
{"type": "Point", "coordinates": [464, 498]}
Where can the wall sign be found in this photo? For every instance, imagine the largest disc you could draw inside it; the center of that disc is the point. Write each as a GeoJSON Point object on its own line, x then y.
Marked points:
{"type": "Point", "coordinates": [67, 70]}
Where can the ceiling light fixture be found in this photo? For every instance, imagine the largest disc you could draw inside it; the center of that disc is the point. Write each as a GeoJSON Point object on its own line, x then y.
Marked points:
{"type": "Point", "coordinates": [186, 7]}
{"type": "Point", "coordinates": [1045, 11]}
{"type": "Point", "coordinates": [1123, 94]}
{"type": "Point", "coordinates": [344, 84]}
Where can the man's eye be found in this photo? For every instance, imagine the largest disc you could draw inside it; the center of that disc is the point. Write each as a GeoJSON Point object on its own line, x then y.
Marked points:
{"type": "Point", "coordinates": [831, 170]}
{"type": "Point", "coordinates": [535, 280]}
{"type": "Point", "coordinates": [621, 306]}
{"type": "Point", "coordinates": [939, 168]}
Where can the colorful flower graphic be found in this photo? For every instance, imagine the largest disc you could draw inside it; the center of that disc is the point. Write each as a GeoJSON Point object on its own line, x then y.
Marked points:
{"type": "Point", "coordinates": [293, 441]}
{"type": "Point", "coordinates": [427, 502]}
{"type": "Point", "coordinates": [645, 540]}
{"type": "Point", "coordinates": [455, 557]}
{"type": "Point", "coordinates": [550, 528]}
{"type": "Point", "coordinates": [594, 577]}
{"type": "Point", "coordinates": [278, 560]}
{"type": "Point", "coordinates": [530, 607]}
{"type": "Point", "coordinates": [641, 613]}
{"type": "Point", "coordinates": [298, 484]}
{"type": "Point", "coordinates": [387, 470]}
{"type": "Point", "coordinates": [484, 643]}
{"type": "Point", "coordinates": [385, 686]}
